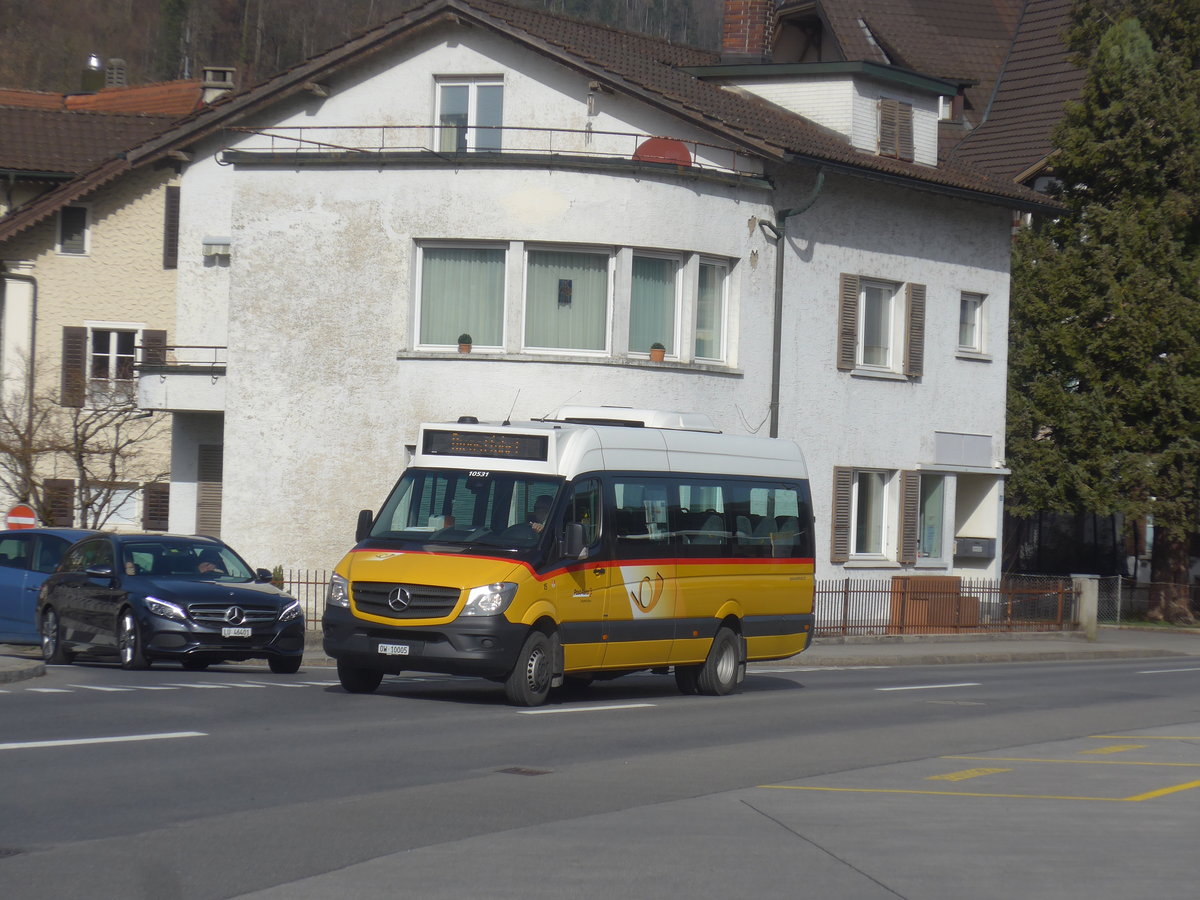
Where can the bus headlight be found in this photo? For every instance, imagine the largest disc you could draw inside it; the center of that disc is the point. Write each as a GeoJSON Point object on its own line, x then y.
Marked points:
{"type": "Point", "coordinates": [338, 593]}
{"type": "Point", "coordinates": [490, 599]}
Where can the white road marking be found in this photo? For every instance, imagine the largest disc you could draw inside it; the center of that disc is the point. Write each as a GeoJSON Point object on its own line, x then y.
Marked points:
{"type": "Point", "coordinates": [197, 684]}
{"type": "Point", "coordinates": [276, 684]}
{"type": "Point", "coordinates": [243, 684]}
{"type": "Point", "coordinates": [1165, 671]}
{"type": "Point", "coordinates": [50, 690]}
{"type": "Point", "coordinates": [97, 687]}
{"type": "Point", "coordinates": [151, 687]}
{"type": "Point", "coordinates": [930, 687]}
{"type": "Point", "coordinates": [575, 709]}
{"type": "Point", "coordinates": [786, 669]}
{"type": "Point", "coordinates": [165, 736]}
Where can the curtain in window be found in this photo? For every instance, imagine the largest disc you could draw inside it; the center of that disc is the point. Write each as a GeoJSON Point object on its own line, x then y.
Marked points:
{"type": "Point", "coordinates": [462, 289]}
{"type": "Point", "coordinates": [489, 114]}
{"type": "Point", "coordinates": [452, 136]}
{"type": "Point", "coordinates": [710, 312]}
{"type": "Point", "coordinates": [877, 325]}
{"type": "Point", "coordinates": [868, 530]}
{"type": "Point", "coordinates": [566, 300]}
{"type": "Point", "coordinates": [931, 514]}
{"type": "Point", "coordinates": [652, 304]}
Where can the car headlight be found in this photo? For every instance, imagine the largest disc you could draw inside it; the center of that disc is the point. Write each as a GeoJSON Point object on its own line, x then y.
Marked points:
{"type": "Point", "coordinates": [291, 611]}
{"type": "Point", "coordinates": [338, 593]}
{"type": "Point", "coordinates": [490, 599]}
{"type": "Point", "coordinates": [166, 610]}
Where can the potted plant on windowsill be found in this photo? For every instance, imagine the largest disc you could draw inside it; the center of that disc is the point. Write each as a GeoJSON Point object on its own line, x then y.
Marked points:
{"type": "Point", "coordinates": [657, 352]}
{"type": "Point", "coordinates": [464, 343]}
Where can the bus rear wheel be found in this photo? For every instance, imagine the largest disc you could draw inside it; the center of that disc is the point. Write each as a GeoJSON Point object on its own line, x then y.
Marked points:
{"type": "Point", "coordinates": [719, 674]}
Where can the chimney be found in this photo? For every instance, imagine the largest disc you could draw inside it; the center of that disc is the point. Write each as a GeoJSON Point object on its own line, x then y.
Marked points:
{"type": "Point", "coordinates": [115, 74]}
{"type": "Point", "coordinates": [216, 81]}
{"type": "Point", "coordinates": [746, 31]}
{"type": "Point", "coordinates": [91, 79]}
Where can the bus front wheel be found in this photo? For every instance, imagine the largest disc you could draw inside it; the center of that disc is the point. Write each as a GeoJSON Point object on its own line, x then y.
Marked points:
{"type": "Point", "coordinates": [529, 682]}
{"type": "Point", "coordinates": [719, 674]}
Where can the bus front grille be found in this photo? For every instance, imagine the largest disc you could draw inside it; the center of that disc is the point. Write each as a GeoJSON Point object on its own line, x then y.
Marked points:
{"type": "Point", "coordinates": [404, 601]}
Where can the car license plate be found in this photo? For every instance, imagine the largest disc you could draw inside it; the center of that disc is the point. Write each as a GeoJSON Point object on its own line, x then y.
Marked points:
{"type": "Point", "coordinates": [235, 632]}
{"type": "Point", "coordinates": [394, 649]}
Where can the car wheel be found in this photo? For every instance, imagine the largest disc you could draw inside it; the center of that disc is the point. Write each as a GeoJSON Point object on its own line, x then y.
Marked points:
{"type": "Point", "coordinates": [686, 677]}
{"type": "Point", "coordinates": [285, 665]}
{"type": "Point", "coordinates": [529, 682]}
{"type": "Point", "coordinates": [129, 642]}
{"type": "Point", "coordinates": [357, 680]}
{"type": "Point", "coordinates": [719, 674]}
{"type": "Point", "coordinates": [193, 664]}
{"type": "Point", "coordinates": [52, 645]}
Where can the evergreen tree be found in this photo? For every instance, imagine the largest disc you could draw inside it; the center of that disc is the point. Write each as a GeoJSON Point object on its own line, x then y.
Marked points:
{"type": "Point", "coordinates": [1104, 399]}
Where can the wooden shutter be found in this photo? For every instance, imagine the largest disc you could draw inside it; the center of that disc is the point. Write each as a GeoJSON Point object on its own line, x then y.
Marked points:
{"type": "Point", "coordinates": [895, 129]}
{"type": "Point", "coordinates": [904, 132]}
{"type": "Point", "coordinates": [910, 506]}
{"type": "Point", "coordinates": [209, 476]}
{"type": "Point", "coordinates": [58, 500]}
{"type": "Point", "coordinates": [914, 343]}
{"type": "Point", "coordinates": [847, 323]}
{"type": "Point", "coordinates": [843, 493]}
{"type": "Point", "coordinates": [74, 365]}
{"type": "Point", "coordinates": [156, 506]}
{"type": "Point", "coordinates": [171, 228]}
{"type": "Point", "coordinates": [154, 347]}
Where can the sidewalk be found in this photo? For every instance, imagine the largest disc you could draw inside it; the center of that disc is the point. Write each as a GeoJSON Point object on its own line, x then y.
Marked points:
{"type": "Point", "coordinates": [18, 663]}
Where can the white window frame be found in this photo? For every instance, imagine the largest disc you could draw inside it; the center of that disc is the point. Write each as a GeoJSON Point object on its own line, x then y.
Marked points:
{"type": "Point", "coordinates": [419, 285]}
{"type": "Point", "coordinates": [892, 328]}
{"type": "Point", "coordinates": [92, 390]}
{"type": "Point", "coordinates": [939, 555]}
{"type": "Point", "coordinates": [87, 231]}
{"type": "Point", "coordinates": [886, 506]}
{"type": "Point", "coordinates": [722, 324]}
{"type": "Point", "coordinates": [608, 252]}
{"type": "Point", "coordinates": [674, 347]}
{"type": "Point", "coordinates": [472, 83]}
{"type": "Point", "coordinates": [976, 300]}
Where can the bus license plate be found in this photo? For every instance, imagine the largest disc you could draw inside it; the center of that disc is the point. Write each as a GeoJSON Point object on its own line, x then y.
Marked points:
{"type": "Point", "coordinates": [394, 649]}
{"type": "Point", "coordinates": [235, 632]}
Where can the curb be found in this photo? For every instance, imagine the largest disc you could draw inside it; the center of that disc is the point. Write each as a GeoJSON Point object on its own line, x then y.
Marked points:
{"type": "Point", "coordinates": [13, 668]}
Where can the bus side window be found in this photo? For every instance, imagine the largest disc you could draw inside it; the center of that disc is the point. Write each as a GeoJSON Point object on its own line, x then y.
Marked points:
{"type": "Point", "coordinates": [585, 509]}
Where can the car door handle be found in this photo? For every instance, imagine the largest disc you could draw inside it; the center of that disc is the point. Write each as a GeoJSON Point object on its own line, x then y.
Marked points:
{"type": "Point", "coordinates": [599, 570]}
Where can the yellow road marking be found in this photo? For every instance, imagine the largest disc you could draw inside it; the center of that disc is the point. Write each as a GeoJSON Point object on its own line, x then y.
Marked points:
{"type": "Point", "coordinates": [1079, 762]}
{"type": "Point", "coordinates": [1143, 737]}
{"type": "Point", "coordinates": [1116, 748]}
{"type": "Point", "coordinates": [1136, 798]}
{"type": "Point", "coordinates": [1162, 792]}
{"type": "Point", "coordinates": [966, 774]}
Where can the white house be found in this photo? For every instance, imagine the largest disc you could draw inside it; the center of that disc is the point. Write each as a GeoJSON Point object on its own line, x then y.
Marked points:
{"type": "Point", "coordinates": [569, 194]}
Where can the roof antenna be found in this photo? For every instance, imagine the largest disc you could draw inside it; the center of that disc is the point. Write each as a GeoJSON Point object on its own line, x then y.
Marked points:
{"type": "Point", "coordinates": [564, 403]}
{"type": "Point", "coordinates": [508, 418]}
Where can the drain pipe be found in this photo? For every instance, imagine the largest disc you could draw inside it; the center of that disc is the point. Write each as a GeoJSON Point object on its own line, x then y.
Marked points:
{"type": "Point", "coordinates": [28, 438]}
{"type": "Point", "coordinates": [777, 231]}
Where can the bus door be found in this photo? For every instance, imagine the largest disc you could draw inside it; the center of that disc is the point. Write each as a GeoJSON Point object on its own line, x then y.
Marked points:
{"type": "Point", "coordinates": [640, 615]}
{"type": "Point", "coordinates": [581, 591]}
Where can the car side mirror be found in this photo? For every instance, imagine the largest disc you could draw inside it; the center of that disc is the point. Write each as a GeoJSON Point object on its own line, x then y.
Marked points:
{"type": "Point", "coordinates": [99, 572]}
{"type": "Point", "coordinates": [365, 519]}
{"type": "Point", "coordinates": [572, 541]}
{"type": "Point", "coordinates": [262, 576]}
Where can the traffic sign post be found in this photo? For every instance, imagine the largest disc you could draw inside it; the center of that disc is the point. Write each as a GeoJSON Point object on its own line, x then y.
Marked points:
{"type": "Point", "coordinates": [21, 516]}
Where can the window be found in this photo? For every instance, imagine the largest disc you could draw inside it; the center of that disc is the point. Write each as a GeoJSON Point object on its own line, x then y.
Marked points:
{"type": "Point", "coordinates": [875, 319]}
{"type": "Point", "coordinates": [860, 502]}
{"type": "Point", "coordinates": [73, 230]}
{"type": "Point", "coordinates": [970, 322]}
{"type": "Point", "coordinates": [566, 300]}
{"type": "Point", "coordinates": [895, 129]}
{"type": "Point", "coordinates": [930, 515]}
{"type": "Point", "coordinates": [470, 113]}
{"type": "Point", "coordinates": [710, 311]}
{"type": "Point", "coordinates": [111, 365]}
{"type": "Point", "coordinates": [462, 290]}
{"type": "Point", "coordinates": [652, 303]}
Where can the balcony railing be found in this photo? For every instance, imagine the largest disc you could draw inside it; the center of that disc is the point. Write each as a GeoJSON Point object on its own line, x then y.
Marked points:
{"type": "Point", "coordinates": [399, 143]}
{"type": "Point", "coordinates": [181, 358]}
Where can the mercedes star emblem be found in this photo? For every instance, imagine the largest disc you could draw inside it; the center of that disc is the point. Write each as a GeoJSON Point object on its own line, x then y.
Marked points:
{"type": "Point", "coordinates": [399, 599]}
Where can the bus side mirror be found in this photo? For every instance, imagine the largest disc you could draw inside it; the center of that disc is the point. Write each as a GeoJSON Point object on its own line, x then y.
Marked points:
{"type": "Point", "coordinates": [572, 542]}
{"type": "Point", "coordinates": [365, 518]}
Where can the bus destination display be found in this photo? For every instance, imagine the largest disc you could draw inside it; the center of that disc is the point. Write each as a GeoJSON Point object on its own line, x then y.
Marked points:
{"type": "Point", "coordinates": [490, 444]}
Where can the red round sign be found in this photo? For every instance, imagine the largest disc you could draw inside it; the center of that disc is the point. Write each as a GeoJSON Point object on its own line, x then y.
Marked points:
{"type": "Point", "coordinates": [21, 516]}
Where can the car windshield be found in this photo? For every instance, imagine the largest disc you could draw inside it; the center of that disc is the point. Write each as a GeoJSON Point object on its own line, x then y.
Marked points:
{"type": "Point", "coordinates": [506, 510]}
{"type": "Point", "coordinates": [184, 560]}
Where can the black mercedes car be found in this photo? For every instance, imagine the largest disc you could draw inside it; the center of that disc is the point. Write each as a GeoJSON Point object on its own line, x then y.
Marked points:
{"type": "Point", "coordinates": [146, 597]}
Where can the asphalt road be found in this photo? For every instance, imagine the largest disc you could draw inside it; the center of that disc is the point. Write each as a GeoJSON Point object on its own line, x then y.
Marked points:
{"type": "Point", "coordinates": [1069, 779]}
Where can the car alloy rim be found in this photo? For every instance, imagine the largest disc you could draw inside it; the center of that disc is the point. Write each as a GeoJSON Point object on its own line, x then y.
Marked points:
{"type": "Point", "coordinates": [128, 637]}
{"type": "Point", "coordinates": [49, 634]}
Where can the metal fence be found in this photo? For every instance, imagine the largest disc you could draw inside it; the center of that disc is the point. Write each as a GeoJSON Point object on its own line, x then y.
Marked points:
{"type": "Point", "coordinates": [943, 604]}
{"type": "Point", "coordinates": [1124, 600]}
{"type": "Point", "coordinates": [308, 586]}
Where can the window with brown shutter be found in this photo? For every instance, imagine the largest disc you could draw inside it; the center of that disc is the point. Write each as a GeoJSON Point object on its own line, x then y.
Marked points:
{"type": "Point", "coordinates": [895, 129]}
{"type": "Point", "coordinates": [209, 478]}
{"type": "Point", "coordinates": [154, 347]}
{"type": "Point", "coordinates": [843, 494]}
{"type": "Point", "coordinates": [910, 505]}
{"type": "Point", "coordinates": [58, 501]}
{"type": "Point", "coordinates": [74, 365]}
{"type": "Point", "coordinates": [156, 506]}
{"type": "Point", "coordinates": [171, 228]}
{"type": "Point", "coordinates": [847, 335]}
{"type": "Point", "coordinates": [914, 344]}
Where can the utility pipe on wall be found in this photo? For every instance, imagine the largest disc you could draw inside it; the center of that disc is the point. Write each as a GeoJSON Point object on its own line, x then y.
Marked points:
{"type": "Point", "coordinates": [28, 439]}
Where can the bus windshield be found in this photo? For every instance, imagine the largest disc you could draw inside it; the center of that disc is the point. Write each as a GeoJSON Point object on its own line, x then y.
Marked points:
{"type": "Point", "coordinates": [505, 510]}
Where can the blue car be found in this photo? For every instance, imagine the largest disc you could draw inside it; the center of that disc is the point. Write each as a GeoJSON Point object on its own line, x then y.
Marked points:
{"type": "Point", "coordinates": [27, 557]}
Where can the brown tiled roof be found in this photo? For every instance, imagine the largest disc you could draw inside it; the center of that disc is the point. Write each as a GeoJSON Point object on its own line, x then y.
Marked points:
{"type": "Point", "coordinates": [165, 98]}
{"type": "Point", "coordinates": [1038, 79]}
{"type": "Point", "coordinates": [68, 143]}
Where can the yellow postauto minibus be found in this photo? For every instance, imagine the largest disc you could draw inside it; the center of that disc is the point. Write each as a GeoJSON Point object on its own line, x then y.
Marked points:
{"type": "Point", "coordinates": [587, 545]}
